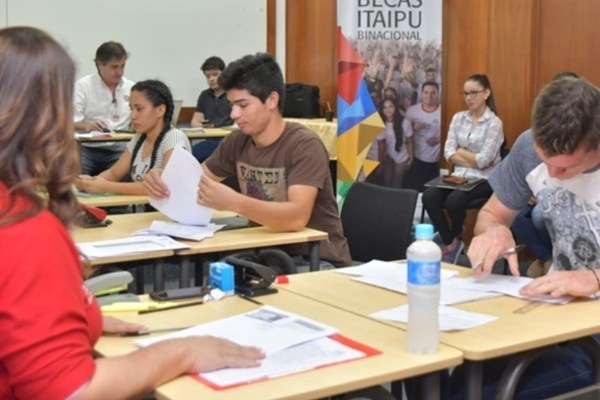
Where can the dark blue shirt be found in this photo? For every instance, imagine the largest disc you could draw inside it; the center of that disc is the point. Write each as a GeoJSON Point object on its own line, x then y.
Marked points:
{"type": "Point", "coordinates": [215, 109]}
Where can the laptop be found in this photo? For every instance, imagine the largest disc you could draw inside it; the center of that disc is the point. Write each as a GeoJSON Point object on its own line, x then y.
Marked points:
{"type": "Point", "coordinates": [468, 186]}
{"type": "Point", "coordinates": [176, 110]}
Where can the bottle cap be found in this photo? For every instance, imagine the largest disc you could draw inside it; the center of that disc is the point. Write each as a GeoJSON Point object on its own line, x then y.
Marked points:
{"type": "Point", "coordinates": [424, 231]}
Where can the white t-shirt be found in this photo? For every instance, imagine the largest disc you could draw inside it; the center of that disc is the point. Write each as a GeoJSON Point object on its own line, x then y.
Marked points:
{"type": "Point", "coordinates": [373, 153]}
{"type": "Point", "coordinates": [390, 141]}
{"type": "Point", "coordinates": [424, 151]}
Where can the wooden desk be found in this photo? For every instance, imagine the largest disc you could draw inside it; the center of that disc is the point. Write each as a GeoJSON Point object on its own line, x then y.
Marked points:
{"type": "Point", "coordinates": [393, 364]}
{"type": "Point", "coordinates": [327, 131]}
{"type": "Point", "coordinates": [229, 240]}
{"type": "Point", "coordinates": [511, 333]}
{"type": "Point", "coordinates": [208, 133]}
{"type": "Point", "coordinates": [112, 200]}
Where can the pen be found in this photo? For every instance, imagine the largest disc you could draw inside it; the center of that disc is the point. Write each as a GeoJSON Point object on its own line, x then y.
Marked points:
{"type": "Point", "coordinates": [152, 310]}
{"type": "Point", "coordinates": [508, 252]}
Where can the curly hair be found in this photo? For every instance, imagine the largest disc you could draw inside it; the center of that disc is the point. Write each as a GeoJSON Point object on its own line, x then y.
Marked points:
{"type": "Point", "coordinates": [38, 155]}
{"type": "Point", "coordinates": [566, 115]}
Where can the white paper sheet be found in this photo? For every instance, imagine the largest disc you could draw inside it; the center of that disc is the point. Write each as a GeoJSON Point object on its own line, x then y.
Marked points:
{"type": "Point", "coordinates": [269, 328]}
{"type": "Point", "coordinates": [92, 134]}
{"type": "Point", "coordinates": [129, 245]}
{"type": "Point", "coordinates": [181, 231]}
{"type": "Point", "coordinates": [302, 357]}
{"type": "Point", "coordinates": [387, 269]}
{"type": "Point", "coordinates": [451, 319]}
{"type": "Point", "coordinates": [182, 176]}
{"type": "Point", "coordinates": [448, 293]}
{"type": "Point", "coordinates": [506, 284]}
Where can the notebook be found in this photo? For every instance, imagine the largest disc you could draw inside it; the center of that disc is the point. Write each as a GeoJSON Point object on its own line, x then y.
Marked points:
{"type": "Point", "coordinates": [176, 110]}
{"type": "Point", "coordinates": [439, 183]}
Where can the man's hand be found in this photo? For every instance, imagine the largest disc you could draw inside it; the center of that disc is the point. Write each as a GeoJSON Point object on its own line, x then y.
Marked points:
{"type": "Point", "coordinates": [216, 195]}
{"type": "Point", "coordinates": [561, 283]}
{"type": "Point", "coordinates": [487, 247]}
{"type": "Point", "coordinates": [154, 185]}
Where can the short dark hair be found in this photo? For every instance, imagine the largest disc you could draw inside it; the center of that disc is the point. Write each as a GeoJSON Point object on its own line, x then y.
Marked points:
{"type": "Point", "coordinates": [259, 74]}
{"type": "Point", "coordinates": [566, 115]}
{"type": "Point", "coordinates": [213, 62]}
{"type": "Point", "coordinates": [430, 83]}
{"type": "Point", "coordinates": [566, 74]}
{"type": "Point", "coordinates": [110, 51]}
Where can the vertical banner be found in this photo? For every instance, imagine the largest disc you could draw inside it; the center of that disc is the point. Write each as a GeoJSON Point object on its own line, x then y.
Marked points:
{"type": "Point", "coordinates": [389, 69]}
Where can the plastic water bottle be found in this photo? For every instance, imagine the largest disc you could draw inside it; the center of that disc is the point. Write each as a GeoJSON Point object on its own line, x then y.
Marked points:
{"type": "Point", "coordinates": [424, 262]}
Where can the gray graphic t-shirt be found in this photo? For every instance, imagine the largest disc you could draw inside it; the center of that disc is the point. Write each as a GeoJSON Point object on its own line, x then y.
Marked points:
{"type": "Point", "coordinates": [571, 207]}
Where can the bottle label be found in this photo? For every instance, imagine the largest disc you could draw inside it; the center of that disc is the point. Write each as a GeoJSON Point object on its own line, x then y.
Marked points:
{"type": "Point", "coordinates": [423, 272]}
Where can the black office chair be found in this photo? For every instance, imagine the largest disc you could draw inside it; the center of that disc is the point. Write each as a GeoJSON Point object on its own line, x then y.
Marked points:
{"type": "Point", "coordinates": [275, 258]}
{"type": "Point", "coordinates": [378, 221]}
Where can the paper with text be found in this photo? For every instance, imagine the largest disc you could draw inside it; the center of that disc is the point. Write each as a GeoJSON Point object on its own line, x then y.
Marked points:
{"type": "Point", "coordinates": [182, 176]}
{"type": "Point", "coordinates": [269, 328]}
{"type": "Point", "coordinates": [298, 358]}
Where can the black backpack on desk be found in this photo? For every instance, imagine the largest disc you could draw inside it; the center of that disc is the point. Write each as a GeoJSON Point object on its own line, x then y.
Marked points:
{"type": "Point", "coordinates": [301, 101]}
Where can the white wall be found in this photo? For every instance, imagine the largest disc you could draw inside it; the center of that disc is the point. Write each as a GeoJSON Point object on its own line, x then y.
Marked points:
{"type": "Point", "coordinates": [167, 40]}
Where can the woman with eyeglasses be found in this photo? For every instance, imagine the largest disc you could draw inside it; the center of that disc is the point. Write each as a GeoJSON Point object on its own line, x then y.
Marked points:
{"type": "Point", "coordinates": [473, 145]}
{"type": "Point", "coordinates": [49, 320]}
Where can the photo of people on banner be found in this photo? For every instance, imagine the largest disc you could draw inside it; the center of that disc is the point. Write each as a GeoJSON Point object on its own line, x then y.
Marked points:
{"type": "Point", "coordinates": [404, 83]}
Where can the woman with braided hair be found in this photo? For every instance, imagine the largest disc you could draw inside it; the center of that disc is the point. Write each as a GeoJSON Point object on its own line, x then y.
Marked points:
{"type": "Point", "coordinates": [151, 106]}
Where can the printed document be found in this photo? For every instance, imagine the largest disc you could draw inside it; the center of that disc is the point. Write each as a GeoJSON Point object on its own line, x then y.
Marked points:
{"type": "Point", "coordinates": [291, 342]}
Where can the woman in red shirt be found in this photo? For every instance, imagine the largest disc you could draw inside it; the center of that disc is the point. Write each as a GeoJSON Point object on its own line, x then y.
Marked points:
{"type": "Point", "coordinates": [49, 322]}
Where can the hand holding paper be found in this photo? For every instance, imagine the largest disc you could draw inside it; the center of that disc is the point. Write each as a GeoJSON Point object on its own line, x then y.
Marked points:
{"type": "Point", "coordinates": [182, 175]}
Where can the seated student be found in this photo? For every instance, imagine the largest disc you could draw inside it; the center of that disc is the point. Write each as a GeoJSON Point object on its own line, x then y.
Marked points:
{"type": "Point", "coordinates": [49, 321]}
{"type": "Point", "coordinates": [152, 109]}
{"type": "Point", "coordinates": [213, 109]}
{"type": "Point", "coordinates": [101, 102]}
{"type": "Point", "coordinates": [282, 168]}
{"type": "Point", "coordinates": [557, 161]}
{"type": "Point", "coordinates": [473, 146]}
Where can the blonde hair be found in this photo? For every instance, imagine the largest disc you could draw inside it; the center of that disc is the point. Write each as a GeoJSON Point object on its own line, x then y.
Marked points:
{"type": "Point", "coordinates": [37, 147]}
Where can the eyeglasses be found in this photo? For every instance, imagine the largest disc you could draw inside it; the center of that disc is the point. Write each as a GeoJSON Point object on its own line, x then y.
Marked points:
{"type": "Point", "coordinates": [471, 94]}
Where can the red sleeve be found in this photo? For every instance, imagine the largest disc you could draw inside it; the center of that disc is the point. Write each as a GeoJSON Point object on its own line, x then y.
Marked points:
{"type": "Point", "coordinates": [48, 321]}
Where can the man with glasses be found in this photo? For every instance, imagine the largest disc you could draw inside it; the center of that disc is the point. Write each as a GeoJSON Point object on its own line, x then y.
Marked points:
{"type": "Point", "coordinates": [101, 103]}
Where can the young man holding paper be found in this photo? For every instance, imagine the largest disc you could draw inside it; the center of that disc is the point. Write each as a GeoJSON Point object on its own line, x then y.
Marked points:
{"type": "Point", "coordinates": [282, 168]}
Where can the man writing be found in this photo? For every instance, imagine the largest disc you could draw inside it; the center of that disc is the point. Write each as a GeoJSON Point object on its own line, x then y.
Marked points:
{"type": "Point", "coordinates": [282, 168]}
{"type": "Point", "coordinates": [557, 161]}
